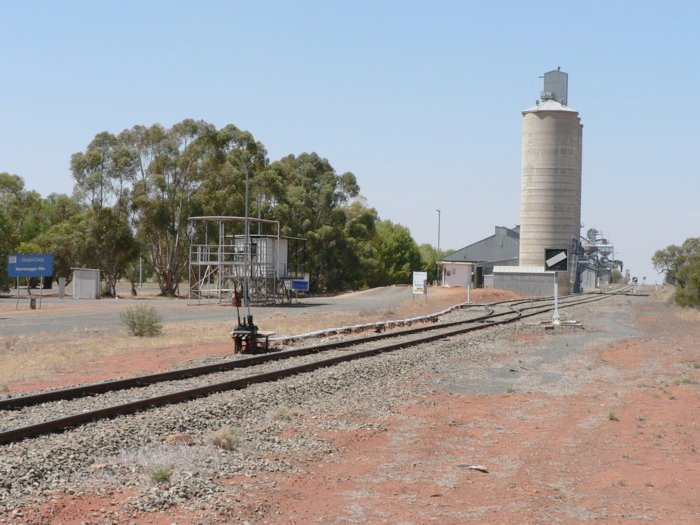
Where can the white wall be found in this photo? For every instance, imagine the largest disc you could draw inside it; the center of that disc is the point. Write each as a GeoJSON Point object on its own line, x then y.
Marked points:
{"type": "Point", "coordinates": [457, 274]}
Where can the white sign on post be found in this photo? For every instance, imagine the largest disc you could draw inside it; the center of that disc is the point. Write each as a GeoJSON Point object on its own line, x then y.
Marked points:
{"type": "Point", "coordinates": [420, 283]}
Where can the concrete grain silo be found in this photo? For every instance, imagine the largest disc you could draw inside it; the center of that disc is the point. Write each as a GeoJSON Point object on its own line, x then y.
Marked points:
{"type": "Point", "coordinates": [550, 205]}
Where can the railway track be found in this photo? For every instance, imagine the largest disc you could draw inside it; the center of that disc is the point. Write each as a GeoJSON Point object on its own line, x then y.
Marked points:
{"type": "Point", "coordinates": [180, 385]}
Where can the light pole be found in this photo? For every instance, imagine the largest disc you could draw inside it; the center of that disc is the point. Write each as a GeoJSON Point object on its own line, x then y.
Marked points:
{"type": "Point", "coordinates": [246, 249]}
{"type": "Point", "coordinates": [438, 251]}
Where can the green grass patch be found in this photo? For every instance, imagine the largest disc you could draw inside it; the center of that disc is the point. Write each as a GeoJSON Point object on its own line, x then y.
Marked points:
{"type": "Point", "coordinates": [161, 475]}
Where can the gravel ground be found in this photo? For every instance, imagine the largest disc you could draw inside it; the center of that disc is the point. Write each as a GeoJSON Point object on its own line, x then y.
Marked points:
{"type": "Point", "coordinates": [542, 371]}
{"type": "Point", "coordinates": [10, 419]}
{"type": "Point", "coordinates": [104, 315]}
{"type": "Point", "coordinates": [267, 423]}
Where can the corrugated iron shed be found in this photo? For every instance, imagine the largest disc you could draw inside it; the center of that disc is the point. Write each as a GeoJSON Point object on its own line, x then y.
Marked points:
{"type": "Point", "coordinates": [503, 245]}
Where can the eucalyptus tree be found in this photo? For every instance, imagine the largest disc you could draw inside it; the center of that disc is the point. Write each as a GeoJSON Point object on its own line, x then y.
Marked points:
{"type": "Point", "coordinates": [681, 264]}
{"type": "Point", "coordinates": [233, 154]}
{"type": "Point", "coordinates": [93, 171]}
{"type": "Point", "coordinates": [8, 242]}
{"type": "Point", "coordinates": [313, 201]}
{"type": "Point", "coordinates": [162, 194]}
{"type": "Point", "coordinates": [11, 187]}
{"type": "Point", "coordinates": [397, 254]}
{"type": "Point", "coordinates": [673, 257]}
{"type": "Point", "coordinates": [63, 241]}
{"type": "Point", "coordinates": [107, 242]}
{"type": "Point", "coordinates": [25, 210]}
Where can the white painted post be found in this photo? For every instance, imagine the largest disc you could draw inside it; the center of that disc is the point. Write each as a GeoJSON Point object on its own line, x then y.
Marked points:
{"type": "Point", "coordinates": [555, 317]}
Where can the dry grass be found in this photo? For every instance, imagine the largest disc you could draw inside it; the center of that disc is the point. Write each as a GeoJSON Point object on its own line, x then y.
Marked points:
{"type": "Point", "coordinates": [667, 295]}
{"type": "Point", "coordinates": [688, 313]}
{"type": "Point", "coordinates": [284, 414]}
{"type": "Point", "coordinates": [685, 380]}
{"type": "Point", "coordinates": [226, 438]}
{"type": "Point", "coordinates": [34, 356]}
{"type": "Point", "coordinates": [664, 294]}
{"type": "Point", "coordinates": [28, 357]}
{"type": "Point", "coordinates": [42, 356]}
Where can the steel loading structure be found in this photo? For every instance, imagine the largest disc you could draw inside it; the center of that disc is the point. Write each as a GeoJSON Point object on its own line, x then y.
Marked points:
{"type": "Point", "coordinates": [221, 262]}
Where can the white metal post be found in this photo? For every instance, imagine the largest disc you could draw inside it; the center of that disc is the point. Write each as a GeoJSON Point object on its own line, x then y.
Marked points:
{"type": "Point", "coordinates": [439, 272]}
{"type": "Point", "coordinates": [555, 317]}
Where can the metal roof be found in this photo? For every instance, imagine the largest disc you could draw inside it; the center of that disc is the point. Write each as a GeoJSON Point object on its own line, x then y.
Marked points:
{"type": "Point", "coordinates": [504, 244]}
{"type": "Point", "coordinates": [549, 105]}
{"type": "Point", "coordinates": [229, 218]}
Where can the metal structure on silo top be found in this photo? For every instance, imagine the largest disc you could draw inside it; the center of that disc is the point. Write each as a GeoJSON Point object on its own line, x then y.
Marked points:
{"type": "Point", "coordinates": [556, 86]}
{"type": "Point", "coordinates": [550, 205]}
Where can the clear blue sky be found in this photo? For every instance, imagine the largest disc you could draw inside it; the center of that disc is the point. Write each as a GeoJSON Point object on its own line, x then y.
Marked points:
{"type": "Point", "coordinates": [421, 100]}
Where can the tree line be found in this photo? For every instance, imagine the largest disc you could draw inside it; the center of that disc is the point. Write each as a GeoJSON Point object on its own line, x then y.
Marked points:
{"type": "Point", "coordinates": [681, 265]}
{"type": "Point", "coordinates": [135, 190]}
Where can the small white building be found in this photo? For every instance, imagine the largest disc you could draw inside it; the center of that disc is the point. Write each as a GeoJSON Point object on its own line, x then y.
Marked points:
{"type": "Point", "coordinates": [86, 283]}
{"type": "Point", "coordinates": [477, 260]}
{"type": "Point", "coordinates": [457, 273]}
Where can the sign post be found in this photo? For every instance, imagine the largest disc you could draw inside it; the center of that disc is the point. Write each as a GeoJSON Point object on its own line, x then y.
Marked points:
{"type": "Point", "coordinates": [556, 259]}
{"type": "Point", "coordinates": [30, 265]}
{"type": "Point", "coordinates": [469, 286]}
{"type": "Point", "coordinates": [420, 284]}
{"type": "Point", "coordinates": [555, 316]}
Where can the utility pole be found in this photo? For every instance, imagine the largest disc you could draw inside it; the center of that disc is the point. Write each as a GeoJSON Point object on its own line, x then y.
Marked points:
{"type": "Point", "coordinates": [246, 249]}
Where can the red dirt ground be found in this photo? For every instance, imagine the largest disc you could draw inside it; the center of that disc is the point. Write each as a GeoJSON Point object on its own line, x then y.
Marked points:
{"type": "Point", "coordinates": [618, 450]}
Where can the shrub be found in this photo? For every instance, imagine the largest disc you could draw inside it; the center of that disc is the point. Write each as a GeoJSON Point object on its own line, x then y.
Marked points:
{"type": "Point", "coordinates": [142, 321]}
{"type": "Point", "coordinates": [161, 475]}
{"type": "Point", "coordinates": [688, 277]}
{"type": "Point", "coordinates": [226, 438]}
{"type": "Point", "coordinates": [284, 414]}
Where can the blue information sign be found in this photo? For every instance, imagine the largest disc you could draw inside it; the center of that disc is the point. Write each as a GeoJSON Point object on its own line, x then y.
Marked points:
{"type": "Point", "coordinates": [30, 265]}
{"type": "Point", "coordinates": [299, 285]}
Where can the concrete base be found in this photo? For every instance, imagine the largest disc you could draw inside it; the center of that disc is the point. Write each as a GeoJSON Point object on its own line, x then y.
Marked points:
{"type": "Point", "coordinates": [528, 281]}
